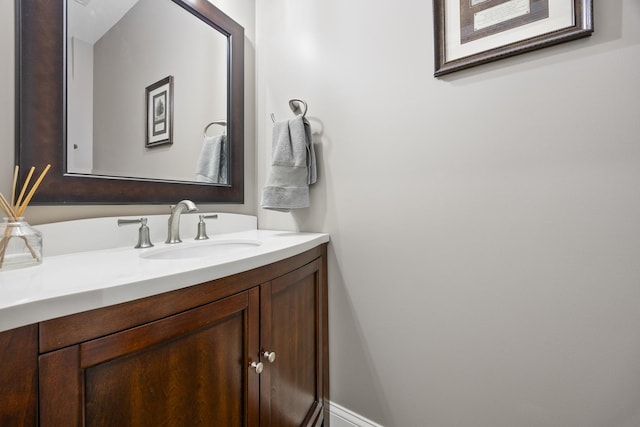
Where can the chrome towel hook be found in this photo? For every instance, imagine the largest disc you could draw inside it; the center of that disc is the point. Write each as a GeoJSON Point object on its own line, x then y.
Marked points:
{"type": "Point", "coordinates": [294, 104]}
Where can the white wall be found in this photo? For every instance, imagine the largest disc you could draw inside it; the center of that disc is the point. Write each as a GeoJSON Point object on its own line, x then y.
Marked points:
{"type": "Point", "coordinates": [485, 226]}
{"type": "Point", "coordinates": [241, 11]}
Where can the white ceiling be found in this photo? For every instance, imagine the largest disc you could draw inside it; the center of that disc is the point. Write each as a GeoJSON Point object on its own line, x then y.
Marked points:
{"type": "Point", "coordinates": [90, 22]}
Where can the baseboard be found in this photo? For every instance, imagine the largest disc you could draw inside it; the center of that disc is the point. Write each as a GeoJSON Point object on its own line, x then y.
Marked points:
{"type": "Point", "coordinates": [342, 417]}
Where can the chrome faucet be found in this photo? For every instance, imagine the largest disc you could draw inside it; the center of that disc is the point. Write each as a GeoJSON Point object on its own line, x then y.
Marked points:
{"type": "Point", "coordinates": [174, 219]}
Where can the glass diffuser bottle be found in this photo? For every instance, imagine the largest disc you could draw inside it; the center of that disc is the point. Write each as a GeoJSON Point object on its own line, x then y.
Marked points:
{"type": "Point", "coordinates": [20, 244]}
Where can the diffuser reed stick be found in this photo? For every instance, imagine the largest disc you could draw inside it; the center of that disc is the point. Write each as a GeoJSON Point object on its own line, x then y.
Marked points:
{"type": "Point", "coordinates": [33, 190]}
{"type": "Point", "coordinates": [6, 207]}
{"type": "Point", "coordinates": [24, 186]}
{"type": "Point", "coordinates": [13, 186]}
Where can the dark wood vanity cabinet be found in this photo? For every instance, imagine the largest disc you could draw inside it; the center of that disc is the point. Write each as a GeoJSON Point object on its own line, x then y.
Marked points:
{"type": "Point", "coordinates": [246, 350]}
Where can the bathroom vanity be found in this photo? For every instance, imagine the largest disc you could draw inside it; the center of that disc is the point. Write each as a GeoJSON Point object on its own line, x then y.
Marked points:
{"type": "Point", "coordinates": [236, 337]}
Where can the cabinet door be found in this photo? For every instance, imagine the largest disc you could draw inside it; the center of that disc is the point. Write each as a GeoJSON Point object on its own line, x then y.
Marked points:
{"type": "Point", "coordinates": [292, 327]}
{"type": "Point", "coordinates": [190, 369]}
{"type": "Point", "coordinates": [19, 377]}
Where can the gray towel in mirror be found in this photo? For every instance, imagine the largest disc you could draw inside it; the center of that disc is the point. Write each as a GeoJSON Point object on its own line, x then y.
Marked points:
{"type": "Point", "coordinates": [212, 162]}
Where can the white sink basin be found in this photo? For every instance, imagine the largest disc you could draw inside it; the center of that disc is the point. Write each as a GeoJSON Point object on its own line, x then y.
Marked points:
{"type": "Point", "coordinates": [201, 249]}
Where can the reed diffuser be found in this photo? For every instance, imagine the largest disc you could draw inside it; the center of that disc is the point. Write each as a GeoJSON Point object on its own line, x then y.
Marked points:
{"type": "Point", "coordinates": [21, 244]}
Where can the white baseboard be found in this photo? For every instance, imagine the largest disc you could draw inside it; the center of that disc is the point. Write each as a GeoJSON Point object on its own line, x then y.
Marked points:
{"type": "Point", "coordinates": [342, 417]}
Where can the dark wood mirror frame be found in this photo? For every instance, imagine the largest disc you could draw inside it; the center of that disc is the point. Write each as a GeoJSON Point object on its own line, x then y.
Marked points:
{"type": "Point", "coordinates": [41, 118]}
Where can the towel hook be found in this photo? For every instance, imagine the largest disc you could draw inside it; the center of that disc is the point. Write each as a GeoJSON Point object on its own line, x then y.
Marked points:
{"type": "Point", "coordinates": [217, 122]}
{"type": "Point", "coordinates": [294, 104]}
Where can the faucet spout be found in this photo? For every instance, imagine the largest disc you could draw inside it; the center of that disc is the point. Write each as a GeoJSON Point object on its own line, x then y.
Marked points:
{"type": "Point", "coordinates": [174, 219]}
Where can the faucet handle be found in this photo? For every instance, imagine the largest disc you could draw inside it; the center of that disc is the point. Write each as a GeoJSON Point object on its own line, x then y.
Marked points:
{"type": "Point", "coordinates": [143, 232]}
{"type": "Point", "coordinates": [202, 227]}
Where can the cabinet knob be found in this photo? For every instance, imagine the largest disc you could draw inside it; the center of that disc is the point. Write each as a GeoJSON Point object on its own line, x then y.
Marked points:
{"type": "Point", "coordinates": [270, 356]}
{"type": "Point", "coordinates": [257, 366]}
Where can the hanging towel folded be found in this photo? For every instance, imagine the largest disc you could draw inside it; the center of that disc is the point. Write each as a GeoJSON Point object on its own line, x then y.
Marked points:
{"type": "Point", "coordinates": [293, 166]}
{"type": "Point", "coordinates": [212, 162]}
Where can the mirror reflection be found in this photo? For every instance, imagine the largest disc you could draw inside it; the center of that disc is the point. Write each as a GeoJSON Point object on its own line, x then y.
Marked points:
{"type": "Point", "coordinates": [147, 92]}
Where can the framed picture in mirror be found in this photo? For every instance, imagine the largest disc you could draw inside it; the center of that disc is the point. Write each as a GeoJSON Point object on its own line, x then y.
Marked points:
{"type": "Point", "coordinates": [159, 113]}
{"type": "Point", "coordinates": [474, 32]}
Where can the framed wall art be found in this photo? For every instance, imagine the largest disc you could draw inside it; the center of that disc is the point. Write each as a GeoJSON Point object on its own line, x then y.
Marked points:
{"type": "Point", "coordinates": [159, 113]}
{"type": "Point", "coordinates": [474, 32]}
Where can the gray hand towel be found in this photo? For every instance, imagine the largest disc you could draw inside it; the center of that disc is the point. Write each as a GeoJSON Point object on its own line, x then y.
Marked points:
{"type": "Point", "coordinates": [293, 166]}
{"type": "Point", "coordinates": [212, 163]}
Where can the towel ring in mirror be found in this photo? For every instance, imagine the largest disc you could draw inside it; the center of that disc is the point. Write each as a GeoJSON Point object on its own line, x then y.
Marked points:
{"type": "Point", "coordinates": [222, 123]}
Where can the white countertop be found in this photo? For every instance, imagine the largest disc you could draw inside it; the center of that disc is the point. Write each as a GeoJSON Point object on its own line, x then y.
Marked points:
{"type": "Point", "coordinates": [74, 282]}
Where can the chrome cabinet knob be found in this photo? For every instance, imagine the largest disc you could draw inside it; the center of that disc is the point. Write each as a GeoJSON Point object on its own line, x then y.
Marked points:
{"type": "Point", "coordinates": [269, 355]}
{"type": "Point", "coordinates": [257, 366]}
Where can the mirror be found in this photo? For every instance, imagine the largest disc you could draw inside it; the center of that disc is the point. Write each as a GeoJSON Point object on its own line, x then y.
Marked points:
{"type": "Point", "coordinates": [115, 52]}
{"type": "Point", "coordinates": [135, 132]}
